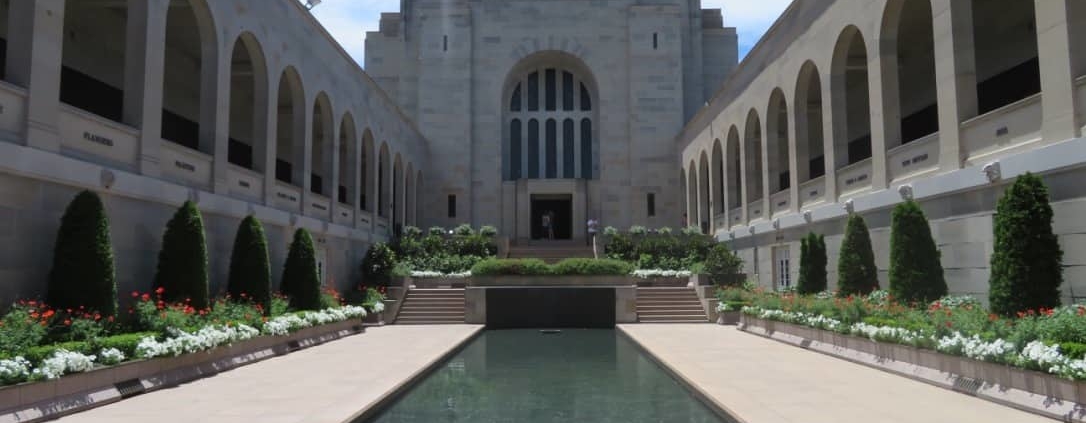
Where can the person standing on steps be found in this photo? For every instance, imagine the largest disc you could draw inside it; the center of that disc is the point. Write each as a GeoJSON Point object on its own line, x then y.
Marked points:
{"type": "Point", "coordinates": [548, 233]}
{"type": "Point", "coordinates": [593, 227]}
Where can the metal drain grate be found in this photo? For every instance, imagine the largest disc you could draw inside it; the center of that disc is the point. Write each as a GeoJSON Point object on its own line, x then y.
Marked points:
{"type": "Point", "coordinates": [293, 346]}
{"type": "Point", "coordinates": [130, 388]}
{"type": "Point", "coordinates": [967, 385]}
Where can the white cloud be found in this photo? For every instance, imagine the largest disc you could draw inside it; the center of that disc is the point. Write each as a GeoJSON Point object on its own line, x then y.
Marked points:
{"type": "Point", "coordinates": [348, 20]}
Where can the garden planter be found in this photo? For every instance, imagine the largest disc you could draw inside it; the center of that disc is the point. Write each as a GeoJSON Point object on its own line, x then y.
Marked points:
{"type": "Point", "coordinates": [728, 318]}
{"type": "Point", "coordinates": [539, 281]}
{"type": "Point", "coordinates": [1029, 390]}
{"type": "Point", "coordinates": [44, 400]}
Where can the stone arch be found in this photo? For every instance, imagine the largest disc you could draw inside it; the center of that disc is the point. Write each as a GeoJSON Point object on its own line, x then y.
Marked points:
{"type": "Point", "coordinates": [548, 117]}
{"type": "Point", "coordinates": [716, 167]}
{"type": "Point", "coordinates": [809, 118]}
{"type": "Point", "coordinates": [907, 49]}
{"type": "Point", "coordinates": [734, 170]}
{"type": "Point", "coordinates": [290, 129]}
{"type": "Point", "coordinates": [1006, 59]}
{"type": "Point", "coordinates": [248, 126]}
{"type": "Point", "coordinates": [851, 99]}
{"type": "Point", "coordinates": [777, 141]}
{"type": "Point", "coordinates": [367, 161]}
{"type": "Point", "coordinates": [190, 83]}
{"type": "Point", "coordinates": [96, 80]}
{"type": "Point", "coordinates": [383, 201]}
{"type": "Point", "coordinates": [705, 209]}
{"type": "Point", "coordinates": [347, 177]}
{"type": "Point", "coordinates": [397, 191]}
{"type": "Point", "coordinates": [752, 157]}
{"type": "Point", "coordinates": [321, 177]}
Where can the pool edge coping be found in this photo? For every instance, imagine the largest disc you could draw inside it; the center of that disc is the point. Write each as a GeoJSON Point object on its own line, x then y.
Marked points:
{"type": "Point", "coordinates": [718, 408]}
{"type": "Point", "coordinates": [389, 397]}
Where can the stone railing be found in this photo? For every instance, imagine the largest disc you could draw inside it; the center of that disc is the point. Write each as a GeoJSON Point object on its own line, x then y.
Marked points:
{"type": "Point", "coordinates": [1001, 130]}
{"type": "Point", "coordinates": [910, 160]}
{"type": "Point", "coordinates": [780, 202]}
{"type": "Point", "coordinates": [344, 214]}
{"type": "Point", "coordinates": [12, 109]}
{"type": "Point", "coordinates": [1028, 390]}
{"type": "Point", "coordinates": [1080, 100]}
{"type": "Point", "coordinates": [720, 222]}
{"type": "Point", "coordinates": [813, 191]}
{"type": "Point", "coordinates": [755, 210]}
{"type": "Point", "coordinates": [854, 177]}
{"type": "Point", "coordinates": [365, 219]}
{"type": "Point", "coordinates": [736, 217]}
{"type": "Point", "coordinates": [245, 183]}
{"type": "Point", "coordinates": [318, 206]}
{"type": "Point", "coordinates": [287, 197]}
{"type": "Point", "coordinates": [98, 140]}
{"type": "Point", "coordinates": [186, 166]}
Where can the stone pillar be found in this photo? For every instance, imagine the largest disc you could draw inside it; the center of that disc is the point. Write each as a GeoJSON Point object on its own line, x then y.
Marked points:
{"type": "Point", "coordinates": [265, 150]}
{"type": "Point", "coordinates": [794, 150]}
{"type": "Point", "coordinates": [834, 125]}
{"type": "Point", "coordinates": [767, 204]}
{"type": "Point", "coordinates": [144, 72]}
{"type": "Point", "coordinates": [35, 40]}
{"type": "Point", "coordinates": [955, 76]}
{"type": "Point", "coordinates": [215, 112]}
{"type": "Point", "coordinates": [1057, 76]}
{"type": "Point", "coordinates": [355, 193]}
{"type": "Point", "coordinates": [332, 179]}
{"type": "Point", "coordinates": [884, 107]}
{"type": "Point", "coordinates": [744, 182]}
{"type": "Point", "coordinates": [303, 130]}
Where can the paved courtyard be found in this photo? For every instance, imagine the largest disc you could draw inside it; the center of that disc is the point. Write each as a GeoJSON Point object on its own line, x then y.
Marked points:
{"type": "Point", "coordinates": [764, 381]}
{"type": "Point", "coordinates": [327, 383]}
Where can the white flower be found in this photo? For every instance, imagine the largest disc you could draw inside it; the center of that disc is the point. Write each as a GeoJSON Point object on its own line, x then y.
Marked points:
{"type": "Point", "coordinates": [61, 363]}
{"type": "Point", "coordinates": [181, 342]}
{"type": "Point", "coordinates": [110, 356]}
{"type": "Point", "coordinates": [288, 323]}
{"type": "Point", "coordinates": [660, 273]}
{"type": "Point", "coordinates": [14, 370]}
{"type": "Point", "coordinates": [378, 307]}
{"type": "Point", "coordinates": [427, 274]}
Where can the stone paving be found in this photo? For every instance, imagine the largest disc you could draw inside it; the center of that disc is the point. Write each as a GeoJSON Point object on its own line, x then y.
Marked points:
{"type": "Point", "coordinates": [764, 381]}
{"type": "Point", "coordinates": [327, 383]}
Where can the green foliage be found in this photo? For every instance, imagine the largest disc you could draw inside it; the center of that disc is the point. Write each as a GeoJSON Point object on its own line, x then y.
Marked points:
{"type": "Point", "coordinates": [1027, 259]}
{"type": "Point", "coordinates": [722, 265]}
{"type": "Point", "coordinates": [300, 281]}
{"type": "Point", "coordinates": [83, 272]}
{"type": "Point", "coordinates": [812, 264]}
{"type": "Point", "coordinates": [661, 251]}
{"type": "Point", "coordinates": [412, 232]}
{"type": "Point", "coordinates": [638, 230]}
{"type": "Point", "coordinates": [19, 331]}
{"type": "Point", "coordinates": [620, 247]}
{"type": "Point", "coordinates": [610, 231]}
{"type": "Point", "coordinates": [856, 269]}
{"type": "Point", "coordinates": [126, 343]}
{"type": "Point", "coordinates": [691, 230]}
{"type": "Point", "coordinates": [378, 263]}
{"type": "Point", "coordinates": [665, 231]}
{"type": "Point", "coordinates": [250, 270]}
{"type": "Point", "coordinates": [39, 353]}
{"type": "Point", "coordinates": [436, 230]}
{"type": "Point", "coordinates": [182, 262]}
{"type": "Point", "coordinates": [488, 231]}
{"type": "Point", "coordinates": [585, 266]}
{"type": "Point", "coordinates": [522, 267]}
{"type": "Point", "coordinates": [1073, 350]}
{"type": "Point", "coordinates": [463, 230]}
{"type": "Point", "coordinates": [916, 275]}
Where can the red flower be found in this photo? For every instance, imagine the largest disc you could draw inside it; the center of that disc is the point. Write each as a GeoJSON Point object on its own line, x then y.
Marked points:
{"type": "Point", "coordinates": [146, 297]}
{"type": "Point", "coordinates": [992, 317]}
{"type": "Point", "coordinates": [949, 324]}
{"type": "Point", "coordinates": [1081, 311]}
{"type": "Point", "coordinates": [160, 290]}
{"type": "Point", "coordinates": [67, 322]}
{"type": "Point", "coordinates": [48, 314]}
{"type": "Point", "coordinates": [135, 294]}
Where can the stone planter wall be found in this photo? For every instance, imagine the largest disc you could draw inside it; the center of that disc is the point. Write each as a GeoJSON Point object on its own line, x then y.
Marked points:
{"type": "Point", "coordinates": [1028, 390]}
{"type": "Point", "coordinates": [46, 400]}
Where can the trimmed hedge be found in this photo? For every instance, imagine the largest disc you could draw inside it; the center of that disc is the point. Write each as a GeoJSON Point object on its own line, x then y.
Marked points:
{"type": "Point", "coordinates": [1027, 259]}
{"type": "Point", "coordinates": [856, 271]}
{"type": "Point", "coordinates": [377, 264]}
{"type": "Point", "coordinates": [916, 274]}
{"type": "Point", "coordinates": [300, 281]}
{"type": "Point", "coordinates": [586, 266]}
{"type": "Point", "coordinates": [515, 267]}
{"type": "Point", "coordinates": [812, 265]}
{"type": "Point", "coordinates": [182, 262]}
{"type": "Point", "coordinates": [83, 272]}
{"type": "Point", "coordinates": [721, 264]}
{"type": "Point", "coordinates": [250, 269]}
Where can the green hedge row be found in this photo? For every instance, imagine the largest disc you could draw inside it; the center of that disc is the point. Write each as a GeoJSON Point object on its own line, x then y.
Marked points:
{"type": "Point", "coordinates": [536, 267]}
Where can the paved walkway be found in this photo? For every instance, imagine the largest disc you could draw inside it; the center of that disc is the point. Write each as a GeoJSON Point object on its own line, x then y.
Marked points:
{"type": "Point", "coordinates": [764, 381]}
{"type": "Point", "coordinates": [326, 384]}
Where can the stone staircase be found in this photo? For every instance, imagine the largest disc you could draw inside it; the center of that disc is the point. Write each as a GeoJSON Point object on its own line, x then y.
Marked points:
{"type": "Point", "coordinates": [669, 305]}
{"type": "Point", "coordinates": [432, 307]}
{"type": "Point", "coordinates": [551, 251]}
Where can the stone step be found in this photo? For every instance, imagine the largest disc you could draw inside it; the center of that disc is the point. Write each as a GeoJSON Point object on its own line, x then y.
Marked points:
{"type": "Point", "coordinates": [674, 319]}
{"type": "Point", "coordinates": [434, 298]}
{"type": "Point", "coordinates": [684, 312]}
{"type": "Point", "coordinates": [667, 295]}
{"type": "Point", "coordinates": [434, 307]}
{"type": "Point", "coordinates": [431, 316]}
{"type": "Point", "coordinates": [667, 303]}
{"type": "Point", "coordinates": [430, 322]}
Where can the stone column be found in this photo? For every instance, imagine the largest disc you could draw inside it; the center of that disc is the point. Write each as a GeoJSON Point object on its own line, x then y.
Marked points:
{"type": "Point", "coordinates": [793, 154]}
{"type": "Point", "coordinates": [1057, 76]}
{"type": "Point", "coordinates": [355, 193]}
{"type": "Point", "coordinates": [303, 131]}
{"type": "Point", "coordinates": [265, 150]}
{"type": "Point", "coordinates": [215, 112]}
{"type": "Point", "coordinates": [744, 182]}
{"type": "Point", "coordinates": [144, 73]}
{"type": "Point", "coordinates": [834, 126]}
{"type": "Point", "coordinates": [35, 40]}
{"type": "Point", "coordinates": [955, 76]}
{"type": "Point", "coordinates": [332, 179]}
{"type": "Point", "coordinates": [767, 204]}
{"type": "Point", "coordinates": [884, 107]}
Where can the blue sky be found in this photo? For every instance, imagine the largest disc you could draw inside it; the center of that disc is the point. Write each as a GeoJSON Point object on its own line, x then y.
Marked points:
{"type": "Point", "coordinates": [348, 20]}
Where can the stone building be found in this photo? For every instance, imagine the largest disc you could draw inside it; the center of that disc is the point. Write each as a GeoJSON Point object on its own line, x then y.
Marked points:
{"type": "Point", "coordinates": [849, 106]}
{"type": "Point", "coordinates": [245, 106]}
{"type": "Point", "coordinates": [562, 106]}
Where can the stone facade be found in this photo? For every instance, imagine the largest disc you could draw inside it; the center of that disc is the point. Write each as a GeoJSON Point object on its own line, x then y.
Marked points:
{"type": "Point", "coordinates": [849, 106]}
{"type": "Point", "coordinates": [463, 70]}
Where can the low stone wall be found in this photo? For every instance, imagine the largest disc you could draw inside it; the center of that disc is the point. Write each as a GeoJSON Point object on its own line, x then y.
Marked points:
{"type": "Point", "coordinates": [45, 400]}
{"type": "Point", "coordinates": [1027, 390]}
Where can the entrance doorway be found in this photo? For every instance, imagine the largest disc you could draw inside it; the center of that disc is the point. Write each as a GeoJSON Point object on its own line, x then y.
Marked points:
{"type": "Point", "coordinates": [560, 209]}
{"type": "Point", "coordinates": [782, 256]}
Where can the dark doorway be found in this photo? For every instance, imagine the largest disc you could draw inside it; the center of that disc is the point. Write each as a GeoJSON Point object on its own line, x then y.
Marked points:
{"type": "Point", "coordinates": [560, 207]}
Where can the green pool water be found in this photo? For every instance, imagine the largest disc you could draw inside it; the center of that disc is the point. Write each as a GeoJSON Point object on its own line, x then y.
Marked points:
{"type": "Point", "coordinates": [524, 376]}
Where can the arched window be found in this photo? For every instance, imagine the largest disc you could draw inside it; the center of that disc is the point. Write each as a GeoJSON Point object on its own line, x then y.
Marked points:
{"type": "Point", "coordinates": [549, 120]}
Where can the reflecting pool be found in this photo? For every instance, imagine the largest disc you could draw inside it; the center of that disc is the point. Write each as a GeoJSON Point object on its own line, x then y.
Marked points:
{"type": "Point", "coordinates": [526, 376]}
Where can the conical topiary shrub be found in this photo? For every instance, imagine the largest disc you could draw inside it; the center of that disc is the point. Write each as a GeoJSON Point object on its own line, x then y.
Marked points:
{"type": "Point", "coordinates": [812, 265]}
{"type": "Point", "coordinates": [83, 273]}
{"type": "Point", "coordinates": [1027, 259]}
{"type": "Point", "coordinates": [856, 271]}
{"type": "Point", "coordinates": [300, 281]}
{"type": "Point", "coordinates": [182, 262]}
{"type": "Point", "coordinates": [916, 274]}
{"type": "Point", "coordinates": [250, 270]}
